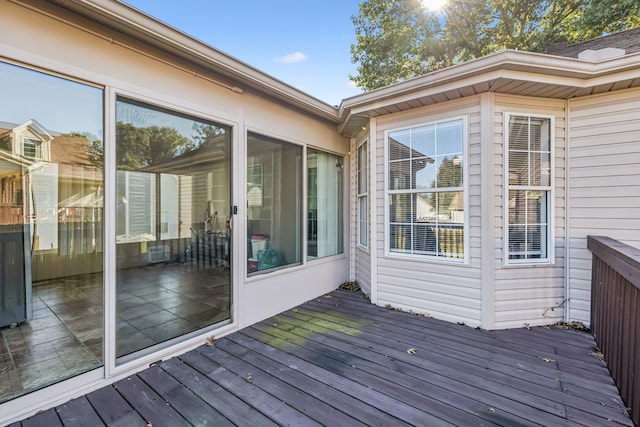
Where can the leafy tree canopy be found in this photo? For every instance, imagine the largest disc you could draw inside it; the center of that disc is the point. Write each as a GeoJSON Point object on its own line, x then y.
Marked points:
{"type": "Point", "coordinates": [401, 39]}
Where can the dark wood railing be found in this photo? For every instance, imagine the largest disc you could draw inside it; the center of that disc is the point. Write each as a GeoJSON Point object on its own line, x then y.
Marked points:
{"type": "Point", "coordinates": [615, 314]}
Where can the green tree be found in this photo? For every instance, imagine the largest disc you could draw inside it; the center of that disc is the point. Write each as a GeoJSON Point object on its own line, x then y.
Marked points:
{"type": "Point", "coordinates": [449, 175]}
{"type": "Point", "coordinates": [401, 39]}
{"type": "Point", "coordinates": [138, 147]}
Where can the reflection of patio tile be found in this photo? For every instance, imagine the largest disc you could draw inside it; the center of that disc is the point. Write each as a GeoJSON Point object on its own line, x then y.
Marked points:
{"type": "Point", "coordinates": [172, 301]}
{"type": "Point", "coordinates": [206, 318]}
{"type": "Point", "coordinates": [185, 310]}
{"type": "Point", "coordinates": [138, 310]}
{"type": "Point", "coordinates": [42, 312]}
{"type": "Point", "coordinates": [34, 353]}
{"type": "Point", "coordinates": [159, 294]}
{"type": "Point", "coordinates": [48, 350]}
{"type": "Point", "coordinates": [152, 319]}
{"type": "Point", "coordinates": [10, 385]}
{"type": "Point", "coordinates": [52, 333]}
{"type": "Point", "coordinates": [129, 343]}
{"type": "Point", "coordinates": [169, 330]}
{"type": "Point", "coordinates": [78, 359]}
{"type": "Point", "coordinates": [41, 323]}
{"type": "Point", "coordinates": [42, 373]}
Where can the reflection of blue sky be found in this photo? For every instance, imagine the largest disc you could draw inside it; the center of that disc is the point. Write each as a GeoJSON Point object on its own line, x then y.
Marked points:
{"type": "Point", "coordinates": [58, 104]}
{"type": "Point", "coordinates": [426, 177]}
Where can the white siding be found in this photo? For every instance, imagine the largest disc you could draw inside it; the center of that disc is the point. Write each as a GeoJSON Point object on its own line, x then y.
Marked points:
{"type": "Point", "coordinates": [363, 270]}
{"type": "Point", "coordinates": [526, 294]}
{"type": "Point", "coordinates": [446, 290]}
{"type": "Point", "coordinates": [603, 174]}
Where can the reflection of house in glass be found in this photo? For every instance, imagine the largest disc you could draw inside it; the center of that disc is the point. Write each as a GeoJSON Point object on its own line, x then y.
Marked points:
{"type": "Point", "coordinates": [426, 203]}
{"type": "Point", "coordinates": [49, 182]}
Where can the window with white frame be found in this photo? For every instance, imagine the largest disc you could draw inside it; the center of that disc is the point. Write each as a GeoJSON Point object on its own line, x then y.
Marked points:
{"type": "Point", "coordinates": [363, 194]}
{"type": "Point", "coordinates": [425, 190]}
{"type": "Point", "coordinates": [529, 188]}
{"type": "Point", "coordinates": [32, 148]}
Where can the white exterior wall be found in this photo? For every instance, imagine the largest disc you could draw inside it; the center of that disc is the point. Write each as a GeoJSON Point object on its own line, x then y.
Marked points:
{"type": "Point", "coordinates": [604, 179]}
{"type": "Point", "coordinates": [524, 294]}
{"type": "Point", "coordinates": [33, 39]}
{"type": "Point", "coordinates": [446, 290]}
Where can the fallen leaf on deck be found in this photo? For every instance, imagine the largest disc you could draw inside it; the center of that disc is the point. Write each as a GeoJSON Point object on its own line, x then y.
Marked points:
{"type": "Point", "coordinates": [527, 326]}
{"type": "Point", "coordinates": [295, 310]}
{"type": "Point", "coordinates": [275, 325]}
{"type": "Point", "coordinates": [248, 378]}
{"type": "Point", "coordinates": [546, 359]}
{"type": "Point", "coordinates": [492, 410]}
{"type": "Point", "coordinates": [411, 350]}
{"type": "Point", "coordinates": [211, 341]}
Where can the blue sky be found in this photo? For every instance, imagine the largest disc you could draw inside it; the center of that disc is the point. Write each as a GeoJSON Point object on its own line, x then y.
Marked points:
{"type": "Point", "coordinates": [304, 44]}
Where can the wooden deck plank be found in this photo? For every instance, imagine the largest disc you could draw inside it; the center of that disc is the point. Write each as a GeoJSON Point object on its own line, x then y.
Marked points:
{"type": "Point", "coordinates": [606, 407]}
{"type": "Point", "coordinates": [48, 418]}
{"type": "Point", "coordinates": [151, 407]}
{"type": "Point", "coordinates": [393, 366]}
{"type": "Point", "coordinates": [345, 364]}
{"type": "Point", "coordinates": [597, 378]}
{"type": "Point", "coordinates": [419, 384]}
{"type": "Point", "coordinates": [79, 413]}
{"type": "Point", "coordinates": [113, 409]}
{"type": "Point", "coordinates": [325, 372]}
{"type": "Point", "coordinates": [297, 398]}
{"type": "Point", "coordinates": [232, 407]}
{"type": "Point", "coordinates": [192, 408]}
{"type": "Point", "coordinates": [338, 360]}
{"type": "Point", "coordinates": [471, 374]}
{"type": "Point", "coordinates": [242, 386]}
{"type": "Point", "coordinates": [288, 371]}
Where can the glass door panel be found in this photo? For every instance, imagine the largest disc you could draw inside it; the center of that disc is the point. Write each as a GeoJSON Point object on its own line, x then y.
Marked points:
{"type": "Point", "coordinates": [173, 240]}
{"type": "Point", "coordinates": [51, 229]}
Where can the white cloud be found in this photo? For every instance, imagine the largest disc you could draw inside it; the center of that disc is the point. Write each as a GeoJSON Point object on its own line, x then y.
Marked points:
{"type": "Point", "coordinates": [351, 85]}
{"type": "Point", "coordinates": [292, 58]}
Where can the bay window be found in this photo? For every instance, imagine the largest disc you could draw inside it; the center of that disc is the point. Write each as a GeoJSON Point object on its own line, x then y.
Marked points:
{"type": "Point", "coordinates": [425, 190]}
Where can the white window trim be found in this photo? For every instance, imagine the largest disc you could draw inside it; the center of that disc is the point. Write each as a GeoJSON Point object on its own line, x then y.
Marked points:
{"type": "Point", "coordinates": [465, 188]}
{"type": "Point", "coordinates": [364, 195]}
{"type": "Point", "coordinates": [550, 259]}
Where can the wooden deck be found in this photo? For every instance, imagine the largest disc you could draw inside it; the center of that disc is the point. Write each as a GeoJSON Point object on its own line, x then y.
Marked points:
{"type": "Point", "coordinates": [339, 361]}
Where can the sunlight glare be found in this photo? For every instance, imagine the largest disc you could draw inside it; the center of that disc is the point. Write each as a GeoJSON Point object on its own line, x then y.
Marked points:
{"type": "Point", "coordinates": [433, 5]}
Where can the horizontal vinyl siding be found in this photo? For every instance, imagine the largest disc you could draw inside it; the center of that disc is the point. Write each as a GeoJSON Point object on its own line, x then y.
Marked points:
{"type": "Point", "coordinates": [445, 290]}
{"type": "Point", "coordinates": [529, 294]}
{"type": "Point", "coordinates": [363, 270]}
{"type": "Point", "coordinates": [604, 177]}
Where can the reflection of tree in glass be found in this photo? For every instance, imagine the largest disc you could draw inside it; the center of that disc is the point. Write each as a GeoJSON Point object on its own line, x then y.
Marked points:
{"type": "Point", "coordinates": [449, 175]}
{"type": "Point", "coordinates": [140, 147]}
{"type": "Point", "coordinates": [206, 134]}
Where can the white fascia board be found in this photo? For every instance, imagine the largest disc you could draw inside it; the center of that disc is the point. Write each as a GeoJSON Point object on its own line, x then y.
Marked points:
{"type": "Point", "coordinates": [508, 64]}
{"type": "Point", "coordinates": [500, 67]}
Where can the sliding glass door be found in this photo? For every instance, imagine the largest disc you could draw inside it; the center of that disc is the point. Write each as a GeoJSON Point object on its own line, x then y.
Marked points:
{"type": "Point", "coordinates": [51, 229]}
{"type": "Point", "coordinates": [173, 237]}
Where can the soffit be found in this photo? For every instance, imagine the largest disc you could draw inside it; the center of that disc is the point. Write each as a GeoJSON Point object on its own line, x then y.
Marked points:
{"type": "Point", "coordinates": [122, 23]}
{"type": "Point", "coordinates": [508, 72]}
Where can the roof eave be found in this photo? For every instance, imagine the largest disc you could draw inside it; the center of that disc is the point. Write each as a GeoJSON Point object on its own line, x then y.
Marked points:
{"type": "Point", "coordinates": [138, 25]}
{"type": "Point", "coordinates": [507, 64]}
